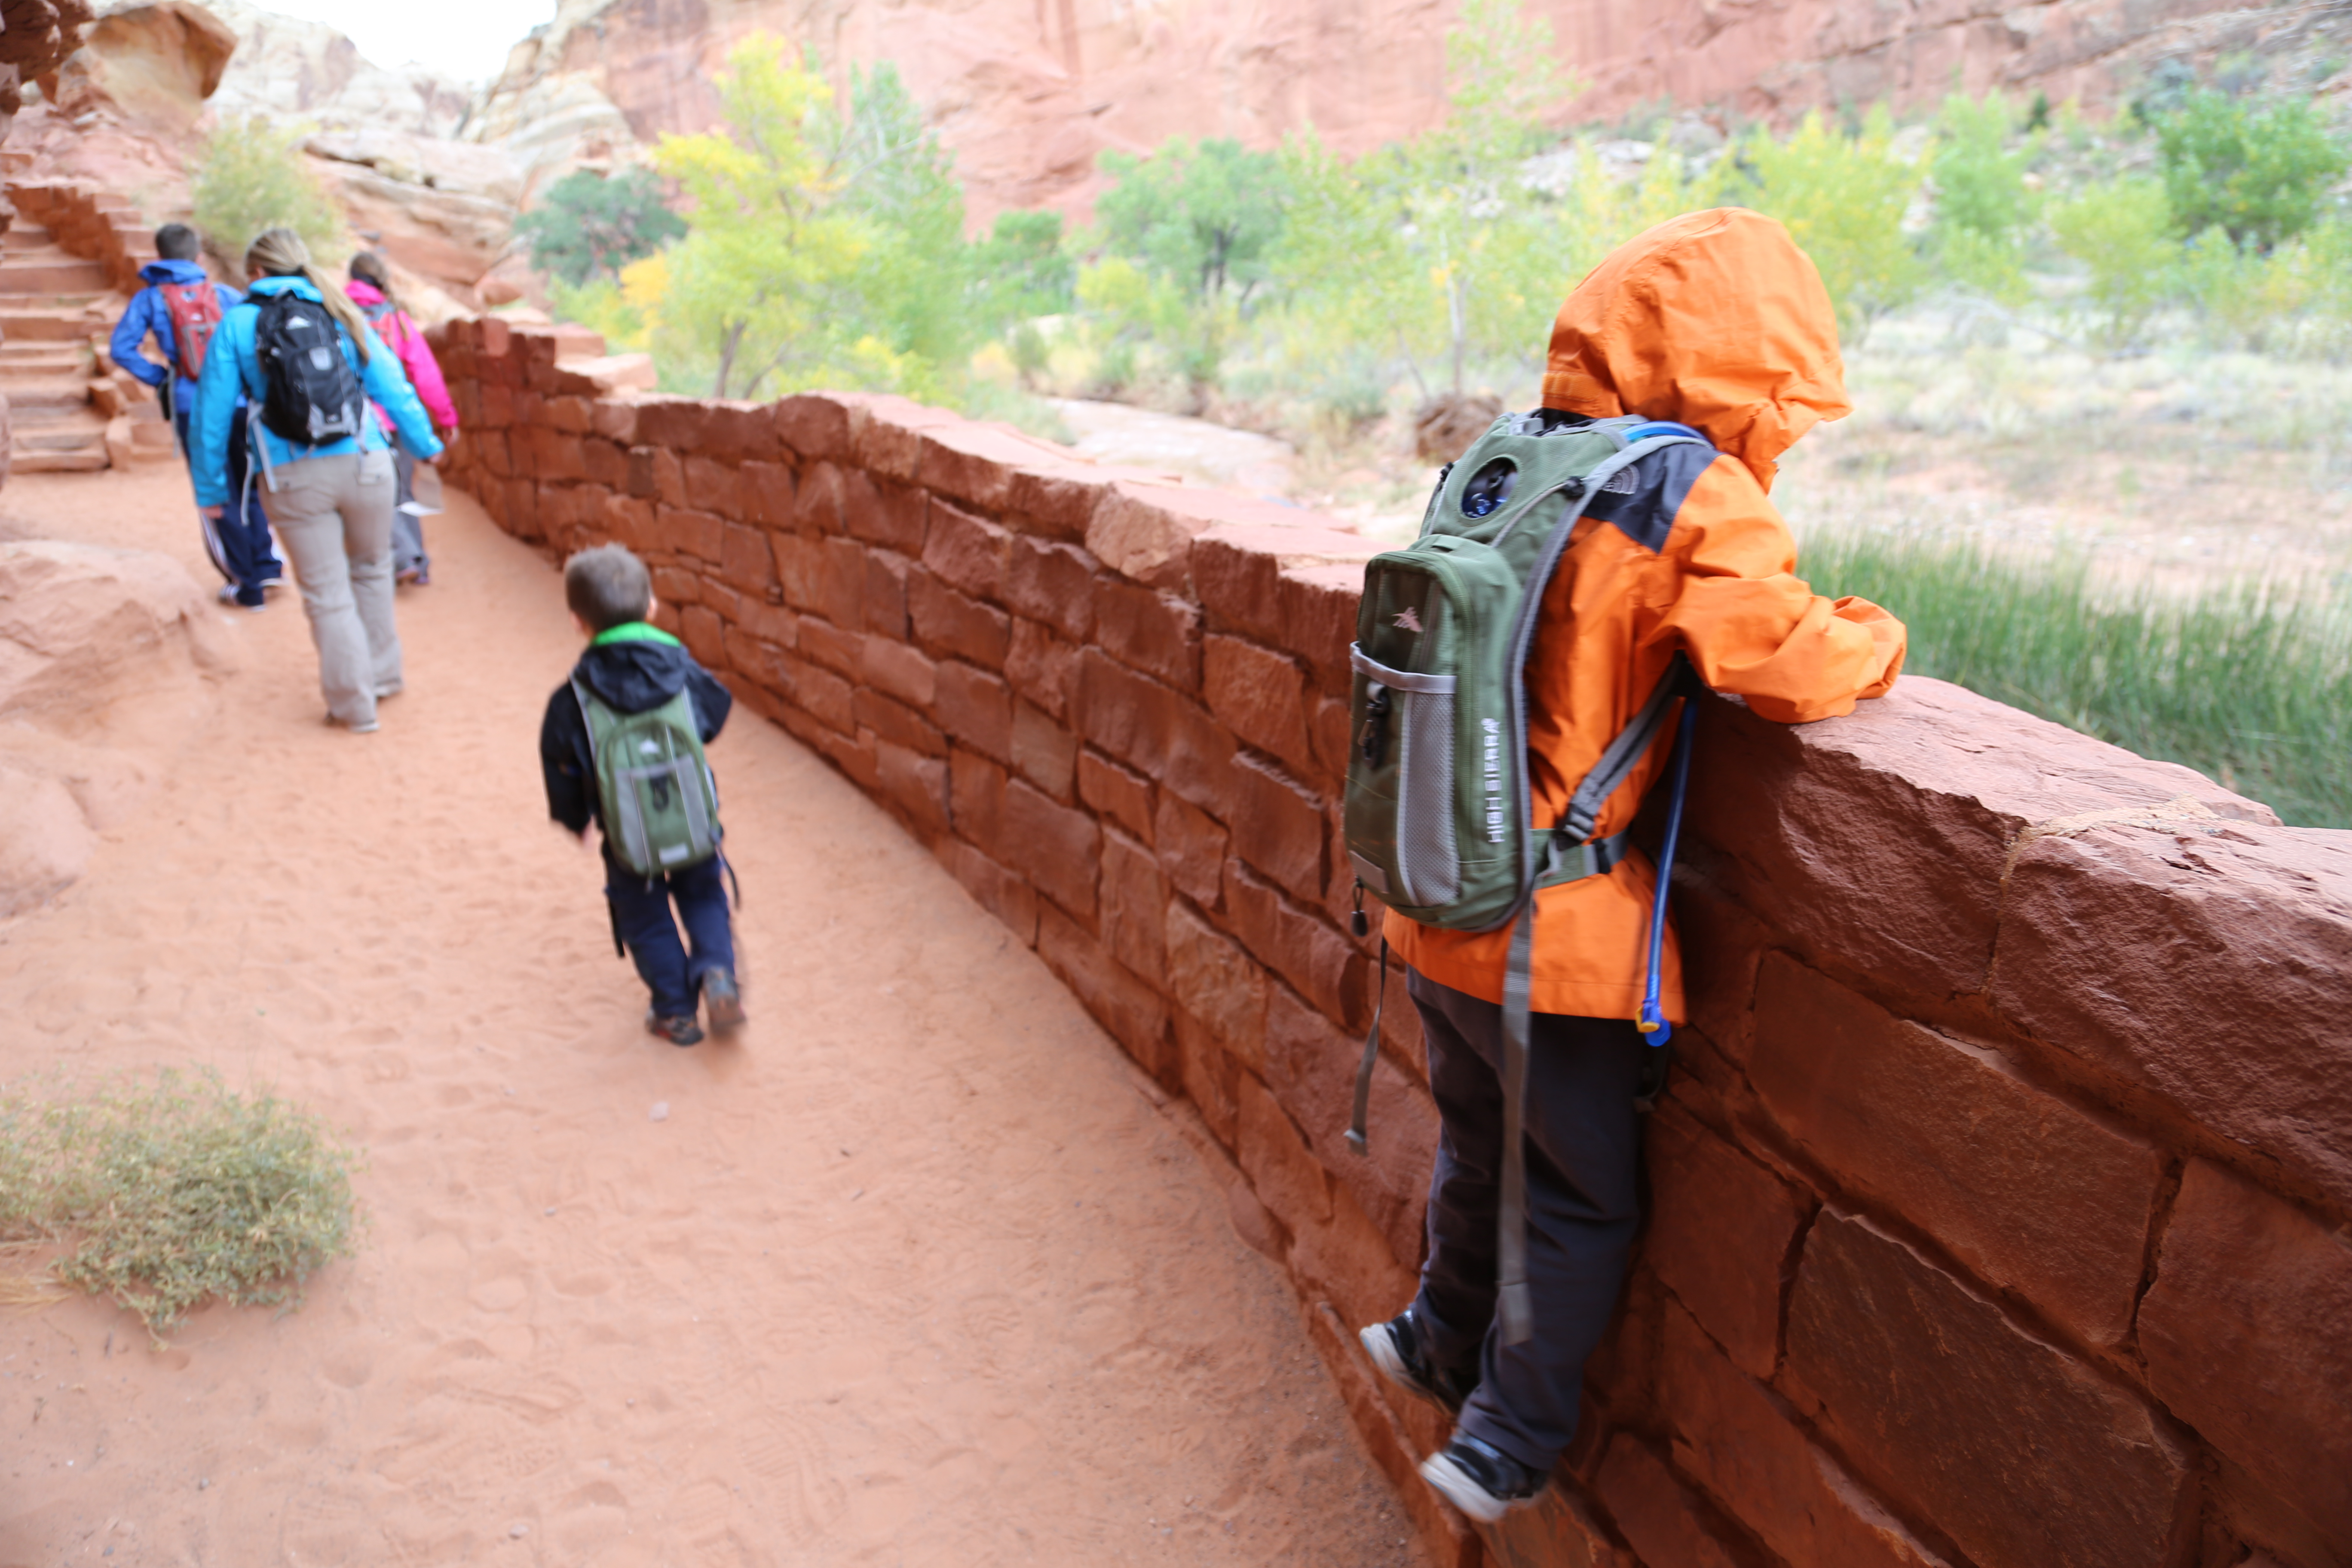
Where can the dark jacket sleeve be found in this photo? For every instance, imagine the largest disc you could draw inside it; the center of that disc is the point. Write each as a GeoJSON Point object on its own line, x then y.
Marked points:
{"type": "Point", "coordinates": [713, 701]}
{"type": "Point", "coordinates": [565, 762]}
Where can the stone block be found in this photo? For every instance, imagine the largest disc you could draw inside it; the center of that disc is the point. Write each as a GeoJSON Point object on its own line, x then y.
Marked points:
{"type": "Point", "coordinates": [1319, 606]}
{"type": "Point", "coordinates": [1347, 1262]}
{"type": "Point", "coordinates": [976, 708]}
{"type": "Point", "coordinates": [2031, 1192]}
{"type": "Point", "coordinates": [1191, 846]}
{"type": "Point", "coordinates": [1155, 632]}
{"type": "Point", "coordinates": [1134, 923]}
{"type": "Point", "coordinates": [916, 784]}
{"type": "Point", "coordinates": [1665, 1521]}
{"type": "Point", "coordinates": [1238, 566]}
{"type": "Point", "coordinates": [1260, 696]}
{"type": "Point", "coordinates": [821, 694]}
{"type": "Point", "coordinates": [768, 494]}
{"type": "Point", "coordinates": [1209, 1078]}
{"type": "Point", "coordinates": [897, 670]}
{"type": "Point", "coordinates": [820, 503]}
{"type": "Point", "coordinates": [1310, 1066]}
{"type": "Point", "coordinates": [608, 464]}
{"type": "Point", "coordinates": [813, 424]}
{"type": "Point", "coordinates": [1722, 946]}
{"type": "Point", "coordinates": [713, 486]}
{"type": "Point", "coordinates": [886, 431]}
{"type": "Point", "coordinates": [894, 722]}
{"type": "Point", "coordinates": [2021, 1454]}
{"type": "Point", "coordinates": [2248, 1335]}
{"type": "Point", "coordinates": [1000, 892]}
{"type": "Point", "coordinates": [1278, 825]}
{"type": "Point", "coordinates": [695, 533]}
{"type": "Point", "coordinates": [828, 645]}
{"type": "Point", "coordinates": [824, 577]}
{"type": "Point", "coordinates": [2208, 961]}
{"type": "Point", "coordinates": [655, 474]}
{"type": "Point", "coordinates": [976, 794]}
{"type": "Point", "coordinates": [1743, 1444]}
{"type": "Point", "coordinates": [770, 623]}
{"type": "Point", "coordinates": [973, 462]}
{"type": "Point", "coordinates": [1721, 1237]}
{"type": "Point", "coordinates": [675, 587]}
{"type": "Point", "coordinates": [1042, 666]}
{"type": "Point", "coordinates": [885, 512]}
{"type": "Point", "coordinates": [1297, 944]}
{"type": "Point", "coordinates": [1060, 847]}
{"type": "Point", "coordinates": [966, 553]}
{"type": "Point", "coordinates": [746, 560]}
{"type": "Point", "coordinates": [1166, 736]}
{"type": "Point", "coordinates": [950, 624]}
{"type": "Point", "coordinates": [616, 419]}
{"type": "Point", "coordinates": [1133, 1012]}
{"type": "Point", "coordinates": [1119, 794]}
{"type": "Point", "coordinates": [886, 594]}
{"type": "Point", "coordinates": [1046, 754]}
{"type": "Point", "coordinates": [1447, 1539]}
{"type": "Point", "coordinates": [1217, 982]}
{"type": "Point", "coordinates": [1051, 583]}
{"type": "Point", "coordinates": [704, 635]}
{"type": "Point", "coordinates": [1558, 1530]}
{"type": "Point", "coordinates": [1289, 1179]}
{"type": "Point", "coordinates": [1953, 779]}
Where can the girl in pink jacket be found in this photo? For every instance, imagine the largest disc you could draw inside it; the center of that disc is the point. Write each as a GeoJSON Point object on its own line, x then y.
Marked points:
{"type": "Point", "coordinates": [371, 290]}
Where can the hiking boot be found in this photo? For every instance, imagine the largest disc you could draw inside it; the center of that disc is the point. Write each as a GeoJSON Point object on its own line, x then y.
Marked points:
{"type": "Point", "coordinates": [1397, 1349]}
{"type": "Point", "coordinates": [723, 1003]}
{"type": "Point", "coordinates": [679, 1031]}
{"type": "Point", "coordinates": [1479, 1480]}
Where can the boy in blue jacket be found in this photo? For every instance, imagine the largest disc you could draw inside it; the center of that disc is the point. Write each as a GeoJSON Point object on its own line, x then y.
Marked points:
{"type": "Point", "coordinates": [238, 543]}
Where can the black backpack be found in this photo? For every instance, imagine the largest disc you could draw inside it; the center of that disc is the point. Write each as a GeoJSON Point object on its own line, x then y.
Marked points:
{"type": "Point", "coordinates": [311, 395]}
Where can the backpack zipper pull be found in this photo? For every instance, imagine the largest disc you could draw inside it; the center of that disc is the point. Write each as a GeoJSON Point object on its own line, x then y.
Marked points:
{"type": "Point", "coordinates": [1356, 921]}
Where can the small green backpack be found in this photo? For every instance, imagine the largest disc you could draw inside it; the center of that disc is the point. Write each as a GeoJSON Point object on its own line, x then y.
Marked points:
{"type": "Point", "coordinates": [1437, 815]}
{"type": "Point", "coordinates": [660, 802]}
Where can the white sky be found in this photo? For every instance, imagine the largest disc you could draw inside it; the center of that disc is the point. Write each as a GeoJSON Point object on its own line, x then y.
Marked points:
{"type": "Point", "coordinates": [465, 38]}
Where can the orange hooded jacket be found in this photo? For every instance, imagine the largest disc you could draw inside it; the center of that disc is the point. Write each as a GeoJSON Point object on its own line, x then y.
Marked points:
{"type": "Point", "coordinates": [1714, 319]}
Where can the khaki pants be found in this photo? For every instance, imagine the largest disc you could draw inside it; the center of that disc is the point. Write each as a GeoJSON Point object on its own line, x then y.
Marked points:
{"type": "Point", "coordinates": [334, 516]}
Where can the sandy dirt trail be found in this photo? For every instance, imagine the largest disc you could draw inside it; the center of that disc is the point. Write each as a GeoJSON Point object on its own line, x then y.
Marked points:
{"type": "Point", "coordinates": [913, 1272]}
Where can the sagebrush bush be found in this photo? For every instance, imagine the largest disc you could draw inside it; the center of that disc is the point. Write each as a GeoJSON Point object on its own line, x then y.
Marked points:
{"type": "Point", "coordinates": [250, 175]}
{"type": "Point", "coordinates": [174, 1191]}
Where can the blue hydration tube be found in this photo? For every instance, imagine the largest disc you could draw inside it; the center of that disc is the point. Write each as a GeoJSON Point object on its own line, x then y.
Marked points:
{"type": "Point", "coordinates": [1655, 1028]}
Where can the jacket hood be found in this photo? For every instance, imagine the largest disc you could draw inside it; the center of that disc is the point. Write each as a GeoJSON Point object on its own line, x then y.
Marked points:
{"type": "Point", "coordinates": [299, 286]}
{"type": "Point", "coordinates": [172, 272]}
{"type": "Point", "coordinates": [363, 292]}
{"type": "Point", "coordinates": [1715, 319]}
{"type": "Point", "coordinates": [631, 677]}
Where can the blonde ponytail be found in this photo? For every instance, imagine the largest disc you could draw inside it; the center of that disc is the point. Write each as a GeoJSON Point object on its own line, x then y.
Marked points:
{"type": "Point", "coordinates": [281, 253]}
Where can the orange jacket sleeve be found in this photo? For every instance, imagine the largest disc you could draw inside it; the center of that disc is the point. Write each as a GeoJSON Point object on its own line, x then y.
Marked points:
{"type": "Point", "coordinates": [1753, 628]}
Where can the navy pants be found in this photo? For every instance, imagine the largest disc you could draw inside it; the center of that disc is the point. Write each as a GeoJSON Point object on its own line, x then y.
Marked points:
{"type": "Point", "coordinates": [1583, 1148]}
{"type": "Point", "coordinates": [239, 543]}
{"type": "Point", "coordinates": [673, 970]}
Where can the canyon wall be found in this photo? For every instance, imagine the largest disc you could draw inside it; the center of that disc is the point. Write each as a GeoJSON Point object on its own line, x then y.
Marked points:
{"type": "Point", "coordinates": [1026, 94]}
{"type": "Point", "coordinates": [1999, 1200]}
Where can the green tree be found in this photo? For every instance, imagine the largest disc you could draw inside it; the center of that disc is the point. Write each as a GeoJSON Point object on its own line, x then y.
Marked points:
{"type": "Point", "coordinates": [890, 174]}
{"type": "Point", "coordinates": [1844, 198]}
{"type": "Point", "coordinates": [2121, 230]}
{"type": "Point", "coordinates": [251, 175]}
{"type": "Point", "coordinates": [1021, 270]}
{"type": "Point", "coordinates": [590, 225]}
{"type": "Point", "coordinates": [1983, 206]}
{"type": "Point", "coordinates": [2259, 172]}
{"type": "Point", "coordinates": [1204, 215]}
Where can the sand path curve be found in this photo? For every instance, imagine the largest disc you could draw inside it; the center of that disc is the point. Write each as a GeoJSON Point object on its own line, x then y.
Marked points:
{"type": "Point", "coordinates": [911, 1273]}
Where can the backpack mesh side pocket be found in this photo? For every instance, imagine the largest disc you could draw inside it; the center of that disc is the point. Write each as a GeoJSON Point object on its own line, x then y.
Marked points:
{"type": "Point", "coordinates": [1419, 724]}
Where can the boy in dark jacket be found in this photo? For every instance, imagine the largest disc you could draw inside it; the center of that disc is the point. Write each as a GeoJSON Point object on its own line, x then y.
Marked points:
{"type": "Point", "coordinates": [239, 543]}
{"type": "Point", "coordinates": [633, 666]}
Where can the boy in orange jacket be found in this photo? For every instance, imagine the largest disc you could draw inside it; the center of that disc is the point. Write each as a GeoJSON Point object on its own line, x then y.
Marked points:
{"type": "Point", "coordinates": [1716, 320]}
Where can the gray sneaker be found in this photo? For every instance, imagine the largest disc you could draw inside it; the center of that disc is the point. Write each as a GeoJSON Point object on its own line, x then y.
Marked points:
{"type": "Point", "coordinates": [722, 1002]}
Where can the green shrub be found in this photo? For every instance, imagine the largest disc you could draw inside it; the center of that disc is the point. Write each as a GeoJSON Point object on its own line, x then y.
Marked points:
{"type": "Point", "coordinates": [2121, 230]}
{"type": "Point", "coordinates": [249, 175]}
{"type": "Point", "coordinates": [2257, 171]}
{"type": "Point", "coordinates": [1843, 198]}
{"type": "Point", "coordinates": [2248, 687]}
{"type": "Point", "coordinates": [1983, 206]}
{"type": "Point", "coordinates": [173, 1191]}
{"type": "Point", "coordinates": [590, 225]}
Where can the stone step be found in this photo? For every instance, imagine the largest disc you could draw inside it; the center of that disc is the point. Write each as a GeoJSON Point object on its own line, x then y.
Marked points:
{"type": "Point", "coordinates": [46, 361]}
{"type": "Point", "coordinates": [35, 325]}
{"type": "Point", "coordinates": [26, 397]}
{"type": "Point", "coordinates": [39, 277]}
{"type": "Point", "coordinates": [60, 438]}
{"type": "Point", "coordinates": [21, 461]}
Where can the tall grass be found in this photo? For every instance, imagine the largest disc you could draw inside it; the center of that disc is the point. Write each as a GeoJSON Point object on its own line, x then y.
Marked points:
{"type": "Point", "coordinates": [2249, 686]}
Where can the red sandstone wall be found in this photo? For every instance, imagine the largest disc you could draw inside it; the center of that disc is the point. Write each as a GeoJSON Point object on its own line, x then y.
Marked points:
{"type": "Point", "coordinates": [2000, 1198]}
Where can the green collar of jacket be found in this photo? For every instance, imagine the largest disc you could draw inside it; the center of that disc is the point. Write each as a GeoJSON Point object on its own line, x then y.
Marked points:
{"type": "Point", "coordinates": [633, 631]}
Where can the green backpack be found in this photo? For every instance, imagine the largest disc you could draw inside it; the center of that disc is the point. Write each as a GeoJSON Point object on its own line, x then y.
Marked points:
{"type": "Point", "coordinates": [1437, 815]}
{"type": "Point", "coordinates": [660, 802]}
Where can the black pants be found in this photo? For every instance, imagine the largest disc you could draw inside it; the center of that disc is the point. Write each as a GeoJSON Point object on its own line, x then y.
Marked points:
{"type": "Point", "coordinates": [641, 920]}
{"type": "Point", "coordinates": [1583, 1140]}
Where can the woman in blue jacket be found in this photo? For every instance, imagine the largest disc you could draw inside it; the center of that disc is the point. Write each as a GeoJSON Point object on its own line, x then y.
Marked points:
{"type": "Point", "coordinates": [332, 499]}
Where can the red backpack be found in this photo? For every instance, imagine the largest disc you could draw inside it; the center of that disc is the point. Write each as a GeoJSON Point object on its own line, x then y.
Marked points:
{"type": "Point", "coordinates": [195, 312]}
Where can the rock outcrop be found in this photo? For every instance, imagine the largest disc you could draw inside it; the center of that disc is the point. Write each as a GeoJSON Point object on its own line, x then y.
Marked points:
{"type": "Point", "coordinates": [1027, 94]}
{"type": "Point", "coordinates": [155, 62]}
{"type": "Point", "coordinates": [288, 69]}
{"type": "Point", "coordinates": [105, 657]}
